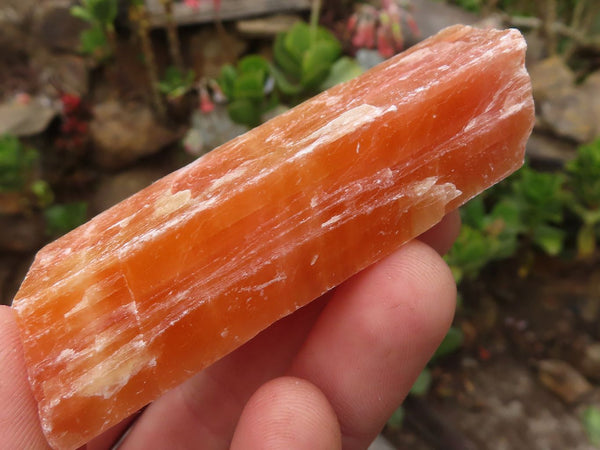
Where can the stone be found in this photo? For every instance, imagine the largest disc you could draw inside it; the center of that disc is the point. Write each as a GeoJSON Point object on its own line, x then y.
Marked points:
{"type": "Point", "coordinates": [26, 118]}
{"type": "Point", "coordinates": [62, 72]}
{"type": "Point", "coordinates": [563, 380]}
{"type": "Point", "coordinates": [591, 89]}
{"type": "Point", "coordinates": [432, 16]}
{"type": "Point", "coordinates": [210, 130]}
{"type": "Point", "coordinates": [549, 151]}
{"type": "Point", "coordinates": [550, 77]}
{"type": "Point", "coordinates": [210, 51]}
{"type": "Point", "coordinates": [564, 108]}
{"type": "Point", "coordinates": [590, 363]}
{"type": "Point", "coordinates": [175, 277]}
{"type": "Point", "coordinates": [122, 133]}
{"type": "Point", "coordinates": [55, 28]}
{"type": "Point", "coordinates": [115, 188]}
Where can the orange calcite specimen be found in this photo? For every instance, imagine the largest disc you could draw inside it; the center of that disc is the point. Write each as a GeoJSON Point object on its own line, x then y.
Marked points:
{"type": "Point", "coordinates": [165, 283]}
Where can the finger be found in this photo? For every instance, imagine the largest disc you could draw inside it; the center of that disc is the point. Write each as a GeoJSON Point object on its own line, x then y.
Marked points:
{"type": "Point", "coordinates": [442, 236]}
{"type": "Point", "coordinates": [206, 408]}
{"type": "Point", "coordinates": [19, 420]}
{"type": "Point", "coordinates": [287, 413]}
{"type": "Point", "coordinates": [375, 336]}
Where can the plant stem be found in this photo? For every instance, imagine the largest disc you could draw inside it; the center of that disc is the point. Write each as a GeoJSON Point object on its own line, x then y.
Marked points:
{"type": "Point", "coordinates": [315, 12]}
{"type": "Point", "coordinates": [139, 16]}
{"type": "Point", "coordinates": [172, 36]}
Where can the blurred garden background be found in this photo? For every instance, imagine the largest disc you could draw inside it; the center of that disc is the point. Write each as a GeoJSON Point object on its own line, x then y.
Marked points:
{"type": "Point", "coordinates": [99, 98]}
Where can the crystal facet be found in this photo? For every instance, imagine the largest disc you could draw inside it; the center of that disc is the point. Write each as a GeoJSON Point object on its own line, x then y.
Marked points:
{"type": "Point", "coordinates": [165, 283]}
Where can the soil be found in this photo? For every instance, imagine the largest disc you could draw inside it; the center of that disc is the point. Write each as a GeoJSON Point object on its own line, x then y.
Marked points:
{"type": "Point", "coordinates": [490, 395]}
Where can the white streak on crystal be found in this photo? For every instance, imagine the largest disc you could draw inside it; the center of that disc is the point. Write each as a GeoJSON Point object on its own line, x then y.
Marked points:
{"type": "Point", "coordinates": [113, 372]}
{"type": "Point", "coordinates": [314, 260]}
{"type": "Point", "coordinates": [421, 187]}
{"type": "Point", "coordinates": [331, 221]}
{"type": "Point", "coordinates": [65, 355]}
{"type": "Point", "coordinates": [230, 176]}
{"type": "Point", "coordinates": [509, 110]}
{"type": "Point", "coordinates": [169, 203]}
{"type": "Point", "coordinates": [347, 122]}
{"type": "Point", "coordinates": [278, 278]}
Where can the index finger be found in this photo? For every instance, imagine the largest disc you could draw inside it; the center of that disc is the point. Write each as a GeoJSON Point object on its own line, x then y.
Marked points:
{"type": "Point", "coordinates": [19, 420]}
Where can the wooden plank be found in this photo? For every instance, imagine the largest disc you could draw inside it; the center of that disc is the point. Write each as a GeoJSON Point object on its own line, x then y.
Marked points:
{"type": "Point", "coordinates": [230, 10]}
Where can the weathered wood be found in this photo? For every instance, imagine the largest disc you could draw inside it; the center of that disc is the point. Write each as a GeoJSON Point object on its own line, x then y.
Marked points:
{"type": "Point", "coordinates": [229, 9]}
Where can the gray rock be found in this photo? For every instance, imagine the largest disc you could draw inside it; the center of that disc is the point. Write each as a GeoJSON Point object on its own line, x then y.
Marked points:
{"type": "Point", "coordinates": [432, 16]}
{"type": "Point", "coordinates": [549, 78]}
{"type": "Point", "coordinates": [591, 89]}
{"type": "Point", "coordinates": [536, 48]}
{"type": "Point", "coordinates": [68, 73]}
{"type": "Point", "coordinates": [125, 132]}
{"type": "Point", "coordinates": [564, 108]}
{"type": "Point", "coordinates": [26, 119]}
{"type": "Point", "coordinates": [590, 363]}
{"type": "Point", "coordinates": [381, 443]}
{"type": "Point", "coordinates": [209, 51]}
{"type": "Point", "coordinates": [208, 131]}
{"type": "Point", "coordinates": [550, 151]}
{"type": "Point", "coordinates": [55, 28]}
{"type": "Point", "coordinates": [114, 188]}
{"type": "Point", "coordinates": [570, 115]}
{"type": "Point", "coordinates": [368, 58]}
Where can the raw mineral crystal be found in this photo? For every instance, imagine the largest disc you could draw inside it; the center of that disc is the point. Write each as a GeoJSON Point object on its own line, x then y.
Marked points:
{"type": "Point", "coordinates": [163, 284]}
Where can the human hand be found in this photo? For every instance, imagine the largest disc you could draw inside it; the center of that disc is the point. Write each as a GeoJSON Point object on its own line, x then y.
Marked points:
{"type": "Point", "coordinates": [327, 376]}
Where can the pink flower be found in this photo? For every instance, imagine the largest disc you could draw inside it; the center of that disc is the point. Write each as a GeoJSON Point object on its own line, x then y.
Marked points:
{"type": "Point", "coordinates": [383, 44]}
{"type": "Point", "coordinates": [193, 4]}
{"type": "Point", "coordinates": [206, 103]}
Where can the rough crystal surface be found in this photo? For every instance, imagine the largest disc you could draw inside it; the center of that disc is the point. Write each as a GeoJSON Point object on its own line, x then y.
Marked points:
{"type": "Point", "coordinates": [168, 281]}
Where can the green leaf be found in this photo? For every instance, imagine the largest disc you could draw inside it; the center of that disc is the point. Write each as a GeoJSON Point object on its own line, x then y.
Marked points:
{"type": "Point", "coordinates": [473, 213]}
{"type": "Point", "coordinates": [397, 419]}
{"type": "Point", "coordinates": [549, 239]}
{"type": "Point", "coordinates": [284, 60]}
{"type": "Point", "coordinates": [508, 213]}
{"type": "Point", "coordinates": [93, 42]}
{"type": "Point", "coordinates": [249, 86]}
{"type": "Point", "coordinates": [254, 64]}
{"type": "Point", "coordinates": [586, 241]}
{"type": "Point", "coordinates": [81, 13]}
{"type": "Point", "coordinates": [342, 70]}
{"type": "Point", "coordinates": [244, 111]}
{"type": "Point", "coordinates": [285, 86]}
{"type": "Point", "coordinates": [43, 193]}
{"type": "Point", "coordinates": [591, 423]}
{"type": "Point", "coordinates": [17, 163]}
{"type": "Point", "coordinates": [422, 383]}
{"type": "Point", "coordinates": [104, 11]}
{"type": "Point", "coordinates": [175, 82]}
{"type": "Point", "coordinates": [62, 218]}
{"type": "Point", "coordinates": [317, 62]}
{"type": "Point", "coordinates": [451, 343]}
{"type": "Point", "coordinates": [297, 40]}
{"type": "Point", "coordinates": [584, 175]}
{"type": "Point", "coordinates": [227, 79]}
